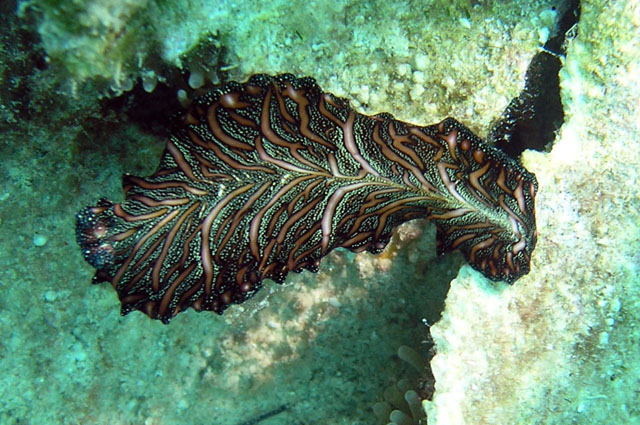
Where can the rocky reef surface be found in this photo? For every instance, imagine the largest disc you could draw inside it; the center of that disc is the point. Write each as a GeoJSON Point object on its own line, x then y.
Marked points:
{"type": "Point", "coordinates": [560, 346]}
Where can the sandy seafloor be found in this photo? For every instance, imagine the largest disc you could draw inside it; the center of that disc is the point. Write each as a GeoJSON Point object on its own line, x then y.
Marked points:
{"type": "Point", "coordinates": [558, 347]}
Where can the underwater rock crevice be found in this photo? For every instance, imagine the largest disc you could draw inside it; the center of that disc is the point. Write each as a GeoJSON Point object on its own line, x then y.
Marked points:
{"type": "Point", "coordinates": [532, 119]}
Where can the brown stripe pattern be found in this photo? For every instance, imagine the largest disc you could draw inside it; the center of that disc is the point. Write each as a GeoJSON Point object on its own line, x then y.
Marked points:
{"type": "Point", "coordinates": [267, 177]}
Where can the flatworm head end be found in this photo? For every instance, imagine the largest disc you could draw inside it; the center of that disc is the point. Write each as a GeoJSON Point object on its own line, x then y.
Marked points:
{"type": "Point", "coordinates": [92, 227]}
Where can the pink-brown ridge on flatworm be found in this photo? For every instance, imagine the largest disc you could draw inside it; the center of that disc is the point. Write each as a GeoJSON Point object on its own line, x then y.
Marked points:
{"type": "Point", "coordinates": [267, 177]}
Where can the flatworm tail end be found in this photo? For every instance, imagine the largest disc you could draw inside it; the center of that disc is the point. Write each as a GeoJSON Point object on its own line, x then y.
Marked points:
{"type": "Point", "coordinates": [496, 229]}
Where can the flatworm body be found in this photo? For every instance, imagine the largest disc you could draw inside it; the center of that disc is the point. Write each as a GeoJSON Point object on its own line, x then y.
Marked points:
{"type": "Point", "coordinates": [267, 177]}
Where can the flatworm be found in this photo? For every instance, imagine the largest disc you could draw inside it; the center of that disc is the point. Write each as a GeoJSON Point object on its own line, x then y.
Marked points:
{"type": "Point", "coordinates": [267, 177]}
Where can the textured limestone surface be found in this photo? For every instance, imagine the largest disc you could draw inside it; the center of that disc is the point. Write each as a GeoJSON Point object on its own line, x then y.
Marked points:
{"type": "Point", "coordinates": [422, 60]}
{"type": "Point", "coordinates": [560, 346]}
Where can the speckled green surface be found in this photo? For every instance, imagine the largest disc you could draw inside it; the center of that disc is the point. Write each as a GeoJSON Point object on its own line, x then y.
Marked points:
{"type": "Point", "coordinates": [322, 344]}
